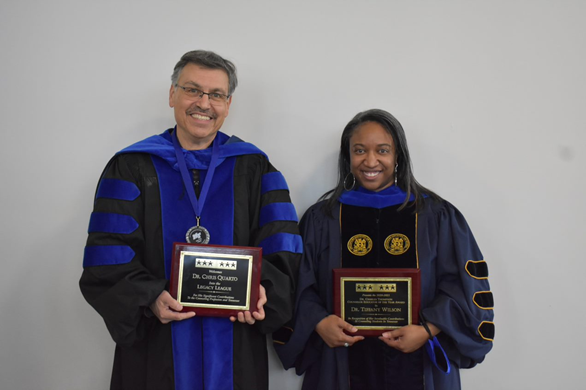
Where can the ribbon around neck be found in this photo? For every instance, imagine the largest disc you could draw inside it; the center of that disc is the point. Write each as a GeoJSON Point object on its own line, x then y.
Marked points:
{"type": "Point", "coordinates": [197, 205]}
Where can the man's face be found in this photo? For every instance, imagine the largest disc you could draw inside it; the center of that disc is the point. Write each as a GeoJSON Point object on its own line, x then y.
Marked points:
{"type": "Point", "coordinates": [199, 119]}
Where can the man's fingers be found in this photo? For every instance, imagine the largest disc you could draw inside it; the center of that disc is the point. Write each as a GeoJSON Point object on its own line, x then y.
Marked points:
{"type": "Point", "coordinates": [186, 315]}
{"type": "Point", "coordinates": [248, 318]}
{"type": "Point", "coordinates": [176, 316]}
{"type": "Point", "coordinates": [167, 300]}
{"type": "Point", "coordinates": [251, 317]}
{"type": "Point", "coordinates": [168, 309]}
{"type": "Point", "coordinates": [259, 315]}
{"type": "Point", "coordinates": [174, 305]}
{"type": "Point", "coordinates": [243, 317]}
{"type": "Point", "coordinates": [262, 300]}
{"type": "Point", "coordinates": [262, 296]}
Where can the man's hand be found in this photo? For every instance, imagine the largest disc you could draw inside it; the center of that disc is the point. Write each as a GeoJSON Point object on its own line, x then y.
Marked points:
{"type": "Point", "coordinates": [167, 309]}
{"type": "Point", "coordinates": [259, 315]}
{"type": "Point", "coordinates": [331, 329]}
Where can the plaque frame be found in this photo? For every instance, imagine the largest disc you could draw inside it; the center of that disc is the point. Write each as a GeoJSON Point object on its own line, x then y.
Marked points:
{"type": "Point", "coordinates": [249, 256]}
{"type": "Point", "coordinates": [411, 276]}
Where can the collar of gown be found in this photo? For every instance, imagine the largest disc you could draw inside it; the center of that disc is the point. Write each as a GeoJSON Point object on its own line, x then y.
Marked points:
{"type": "Point", "coordinates": [362, 197]}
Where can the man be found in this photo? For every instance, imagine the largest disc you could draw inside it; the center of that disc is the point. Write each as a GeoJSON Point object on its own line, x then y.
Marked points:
{"type": "Point", "coordinates": [225, 190]}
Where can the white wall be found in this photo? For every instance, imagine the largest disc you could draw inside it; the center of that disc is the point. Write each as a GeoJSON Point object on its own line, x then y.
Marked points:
{"type": "Point", "coordinates": [491, 94]}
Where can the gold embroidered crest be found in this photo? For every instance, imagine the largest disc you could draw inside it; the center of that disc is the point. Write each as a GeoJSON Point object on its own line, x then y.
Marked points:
{"type": "Point", "coordinates": [397, 244]}
{"type": "Point", "coordinates": [359, 244]}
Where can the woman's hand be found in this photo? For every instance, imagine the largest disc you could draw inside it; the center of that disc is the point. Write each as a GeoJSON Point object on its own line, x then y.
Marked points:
{"type": "Point", "coordinates": [331, 329]}
{"type": "Point", "coordinates": [408, 338]}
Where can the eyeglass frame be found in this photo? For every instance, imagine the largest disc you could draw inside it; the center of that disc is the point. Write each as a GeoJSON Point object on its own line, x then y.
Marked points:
{"type": "Point", "coordinates": [201, 93]}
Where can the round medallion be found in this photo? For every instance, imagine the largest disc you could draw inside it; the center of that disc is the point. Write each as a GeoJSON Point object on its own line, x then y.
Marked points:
{"type": "Point", "coordinates": [198, 235]}
{"type": "Point", "coordinates": [359, 245]}
{"type": "Point", "coordinates": [397, 244]}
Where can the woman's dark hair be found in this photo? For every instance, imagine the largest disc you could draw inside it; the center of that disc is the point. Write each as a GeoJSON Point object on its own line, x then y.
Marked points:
{"type": "Point", "coordinates": [405, 179]}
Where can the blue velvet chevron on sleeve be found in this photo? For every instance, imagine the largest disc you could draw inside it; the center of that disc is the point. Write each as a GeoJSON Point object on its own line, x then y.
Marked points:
{"type": "Point", "coordinates": [282, 242]}
{"type": "Point", "coordinates": [277, 212]}
{"type": "Point", "coordinates": [278, 218]}
{"type": "Point", "coordinates": [107, 255]}
{"type": "Point", "coordinates": [273, 181]}
{"type": "Point", "coordinates": [117, 189]}
{"type": "Point", "coordinates": [112, 223]}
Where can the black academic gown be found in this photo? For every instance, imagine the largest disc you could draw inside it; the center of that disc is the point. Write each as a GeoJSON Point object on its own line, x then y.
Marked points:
{"type": "Point", "coordinates": [453, 279]}
{"type": "Point", "coordinates": [140, 209]}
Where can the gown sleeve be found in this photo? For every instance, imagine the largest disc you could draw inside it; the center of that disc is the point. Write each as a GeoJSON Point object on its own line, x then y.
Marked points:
{"type": "Point", "coordinates": [115, 280]}
{"type": "Point", "coordinates": [275, 230]}
{"type": "Point", "coordinates": [304, 346]}
{"type": "Point", "coordinates": [462, 306]}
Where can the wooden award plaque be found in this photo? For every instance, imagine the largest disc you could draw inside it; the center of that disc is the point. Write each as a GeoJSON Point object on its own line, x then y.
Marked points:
{"type": "Point", "coordinates": [215, 280]}
{"type": "Point", "coordinates": [375, 300]}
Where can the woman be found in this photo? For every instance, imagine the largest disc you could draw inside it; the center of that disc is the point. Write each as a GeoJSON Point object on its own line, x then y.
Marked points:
{"type": "Point", "coordinates": [377, 197]}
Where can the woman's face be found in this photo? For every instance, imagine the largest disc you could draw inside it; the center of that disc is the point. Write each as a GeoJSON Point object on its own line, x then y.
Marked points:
{"type": "Point", "coordinates": [372, 157]}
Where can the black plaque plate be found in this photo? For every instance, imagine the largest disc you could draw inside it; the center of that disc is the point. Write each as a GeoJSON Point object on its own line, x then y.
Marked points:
{"type": "Point", "coordinates": [375, 300]}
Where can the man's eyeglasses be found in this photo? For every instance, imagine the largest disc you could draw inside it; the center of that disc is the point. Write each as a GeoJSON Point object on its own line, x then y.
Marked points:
{"type": "Point", "coordinates": [196, 93]}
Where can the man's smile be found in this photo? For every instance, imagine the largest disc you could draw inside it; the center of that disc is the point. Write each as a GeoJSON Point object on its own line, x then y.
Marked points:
{"type": "Point", "coordinates": [200, 116]}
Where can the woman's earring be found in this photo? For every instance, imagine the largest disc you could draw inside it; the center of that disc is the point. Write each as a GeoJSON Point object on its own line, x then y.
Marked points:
{"type": "Point", "coordinates": [353, 181]}
{"type": "Point", "coordinates": [396, 174]}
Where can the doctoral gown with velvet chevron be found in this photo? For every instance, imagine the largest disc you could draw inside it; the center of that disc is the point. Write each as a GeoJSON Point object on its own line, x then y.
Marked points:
{"type": "Point", "coordinates": [140, 209]}
{"type": "Point", "coordinates": [455, 295]}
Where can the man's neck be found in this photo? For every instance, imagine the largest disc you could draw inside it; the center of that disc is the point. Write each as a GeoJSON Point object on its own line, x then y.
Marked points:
{"type": "Point", "coordinates": [188, 143]}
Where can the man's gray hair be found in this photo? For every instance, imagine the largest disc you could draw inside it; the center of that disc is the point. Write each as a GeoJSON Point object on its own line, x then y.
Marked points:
{"type": "Point", "coordinates": [209, 60]}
